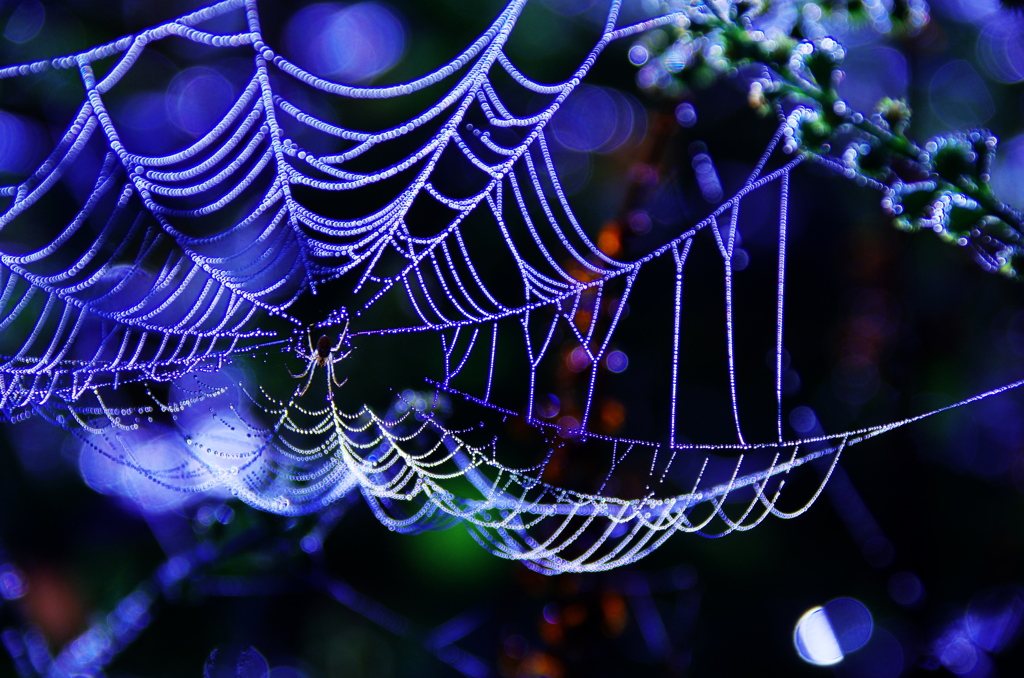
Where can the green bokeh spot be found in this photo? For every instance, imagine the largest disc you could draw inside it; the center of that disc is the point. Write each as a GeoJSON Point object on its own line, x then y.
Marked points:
{"type": "Point", "coordinates": [451, 555]}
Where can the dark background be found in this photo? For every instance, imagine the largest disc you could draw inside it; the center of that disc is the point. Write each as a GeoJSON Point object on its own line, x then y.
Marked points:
{"type": "Point", "coordinates": [941, 500]}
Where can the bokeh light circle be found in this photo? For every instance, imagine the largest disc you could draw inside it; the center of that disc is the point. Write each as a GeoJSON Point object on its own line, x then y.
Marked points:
{"type": "Point", "coordinates": [197, 99]}
{"type": "Point", "coordinates": [803, 419]}
{"type": "Point", "coordinates": [882, 657]}
{"type": "Point", "coordinates": [993, 618]}
{"type": "Point", "coordinates": [598, 119]}
{"type": "Point", "coordinates": [815, 640]}
{"type": "Point", "coordinates": [21, 143]}
{"type": "Point", "coordinates": [872, 73]}
{"type": "Point", "coordinates": [973, 11]}
{"type": "Point", "coordinates": [959, 656]}
{"type": "Point", "coordinates": [960, 97]}
{"type": "Point", "coordinates": [851, 623]}
{"type": "Point", "coordinates": [617, 361]}
{"type": "Point", "coordinates": [825, 635]}
{"type": "Point", "coordinates": [346, 43]}
{"type": "Point", "coordinates": [906, 588]}
{"type": "Point", "coordinates": [686, 114]}
{"type": "Point", "coordinates": [162, 452]}
{"type": "Point", "coordinates": [1008, 175]}
{"type": "Point", "coordinates": [1001, 49]}
{"type": "Point", "coordinates": [25, 22]}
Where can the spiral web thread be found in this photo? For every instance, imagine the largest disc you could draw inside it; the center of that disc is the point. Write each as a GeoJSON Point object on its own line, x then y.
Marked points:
{"type": "Point", "coordinates": [154, 298]}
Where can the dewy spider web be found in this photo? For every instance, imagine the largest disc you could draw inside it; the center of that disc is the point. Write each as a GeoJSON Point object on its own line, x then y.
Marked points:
{"type": "Point", "coordinates": [174, 266]}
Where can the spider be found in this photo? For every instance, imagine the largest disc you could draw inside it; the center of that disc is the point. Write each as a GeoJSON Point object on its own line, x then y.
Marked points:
{"type": "Point", "coordinates": [324, 355]}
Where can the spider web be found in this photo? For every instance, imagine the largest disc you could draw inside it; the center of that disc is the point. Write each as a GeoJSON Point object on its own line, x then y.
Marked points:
{"type": "Point", "coordinates": [135, 324]}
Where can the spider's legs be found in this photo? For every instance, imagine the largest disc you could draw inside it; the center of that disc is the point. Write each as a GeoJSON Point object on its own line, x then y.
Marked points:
{"type": "Point", "coordinates": [304, 372]}
{"type": "Point", "coordinates": [331, 379]}
{"type": "Point", "coordinates": [341, 339]}
{"type": "Point", "coordinates": [330, 372]}
{"type": "Point", "coordinates": [312, 363]}
{"type": "Point", "coordinates": [309, 339]}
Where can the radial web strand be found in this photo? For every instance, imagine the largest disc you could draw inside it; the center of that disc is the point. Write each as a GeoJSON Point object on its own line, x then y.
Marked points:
{"type": "Point", "coordinates": [159, 318]}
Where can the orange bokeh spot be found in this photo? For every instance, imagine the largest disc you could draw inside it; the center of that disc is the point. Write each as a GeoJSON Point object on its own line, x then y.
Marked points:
{"type": "Point", "coordinates": [574, 614]}
{"type": "Point", "coordinates": [579, 273]}
{"type": "Point", "coordinates": [615, 615]}
{"type": "Point", "coordinates": [609, 240]}
{"type": "Point", "coordinates": [541, 664]}
{"type": "Point", "coordinates": [54, 603]}
{"type": "Point", "coordinates": [613, 415]}
{"type": "Point", "coordinates": [552, 634]}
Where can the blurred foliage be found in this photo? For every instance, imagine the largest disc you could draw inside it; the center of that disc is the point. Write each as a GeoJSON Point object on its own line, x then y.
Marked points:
{"type": "Point", "coordinates": [943, 186]}
{"type": "Point", "coordinates": [339, 595]}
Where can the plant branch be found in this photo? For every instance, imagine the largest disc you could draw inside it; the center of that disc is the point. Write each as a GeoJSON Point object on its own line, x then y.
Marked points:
{"type": "Point", "coordinates": [943, 185]}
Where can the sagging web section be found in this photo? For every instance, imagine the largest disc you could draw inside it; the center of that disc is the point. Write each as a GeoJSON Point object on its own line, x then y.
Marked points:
{"type": "Point", "coordinates": [293, 452]}
{"type": "Point", "coordinates": [178, 259]}
{"type": "Point", "coordinates": [198, 250]}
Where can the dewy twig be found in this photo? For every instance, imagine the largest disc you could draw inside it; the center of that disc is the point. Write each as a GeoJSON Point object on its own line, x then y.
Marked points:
{"type": "Point", "coordinates": [943, 185]}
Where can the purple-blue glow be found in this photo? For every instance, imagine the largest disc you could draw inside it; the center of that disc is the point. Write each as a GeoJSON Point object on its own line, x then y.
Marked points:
{"type": "Point", "coordinates": [991, 622]}
{"type": "Point", "coordinates": [815, 640]}
{"type": "Point", "coordinates": [686, 114]}
{"type": "Point", "coordinates": [548, 406]}
{"type": "Point", "coordinates": [568, 423]}
{"type": "Point", "coordinates": [802, 419]}
{"type": "Point", "coordinates": [850, 621]}
{"type": "Point", "coordinates": [162, 453]}
{"type": "Point", "coordinates": [598, 119]}
{"type": "Point", "coordinates": [21, 143]}
{"type": "Point", "coordinates": [237, 245]}
{"type": "Point", "coordinates": [993, 618]}
{"type": "Point", "coordinates": [144, 122]}
{"type": "Point", "coordinates": [165, 466]}
{"type": "Point", "coordinates": [960, 97]}
{"type": "Point", "coordinates": [1001, 48]}
{"type": "Point", "coordinates": [25, 22]}
{"type": "Point", "coordinates": [346, 43]}
{"type": "Point", "coordinates": [825, 635]}
{"type": "Point", "coordinates": [707, 177]}
{"type": "Point", "coordinates": [639, 222]}
{"type": "Point", "coordinates": [574, 168]}
{"type": "Point", "coordinates": [39, 446]}
{"type": "Point", "coordinates": [578, 359]}
{"type": "Point", "coordinates": [617, 361]}
{"type": "Point", "coordinates": [961, 657]}
{"type": "Point", "coordinates": [872, 73]}
{"type": "Point", "coordinates": [881, 657]}
{"type": "Point", "coordinates": [684, 577]}
{"type": "Point", "coordinates": [197, 99]}
{"type": "Point", "coordinates": [638, 54]}
{"type": "Point", "coordinates": [236, 663]}
{"type": "Point", "coordinates": [906, 589]}
{"type": "Point", "coordinates": [974, 11]}
{"type": "Point", "coordinates": [1008, 176]}
{"type": "Point", "coordinates": [310, 544]}
{"type": "Point", "coordinates": [12, 583]}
